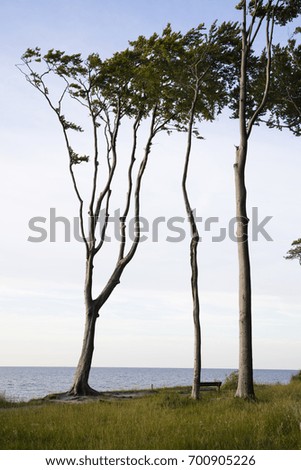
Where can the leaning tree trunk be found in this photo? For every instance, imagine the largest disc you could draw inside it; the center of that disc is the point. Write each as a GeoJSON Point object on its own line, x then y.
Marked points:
{"type": "Point", "coordinates": [93, 306]}
{"type": "Point", "coordinates": [80, 385]}
{"type": "Point", "coordinates": [80, 382]}
{"type": "Point", "coordinates": [245, 387]}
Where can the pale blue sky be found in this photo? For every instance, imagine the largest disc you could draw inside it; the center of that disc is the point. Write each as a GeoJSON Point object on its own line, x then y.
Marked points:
{"type": "Point", "coordinates": [147, 321]}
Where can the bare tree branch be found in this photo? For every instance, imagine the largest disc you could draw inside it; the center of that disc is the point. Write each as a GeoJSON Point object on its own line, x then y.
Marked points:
{"type": "Point", "coordinates": [123, 218]}
{"type": "Point", "coordinates": [269, 40]}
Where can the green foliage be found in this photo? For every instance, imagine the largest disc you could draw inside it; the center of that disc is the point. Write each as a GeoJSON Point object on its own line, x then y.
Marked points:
{"type": "Point", "coordinates": [7, 403]}
{"type": "Point", "coordinates": [75, 158]}
{"type": "Point", "coordinates": [231, 382]}
{"type": "Point", "coordinates": [3, 400]}
{"type": "Point", "coordinates": [285, 96]}
{"type": "Point", "coordinates": [167, 419]}
{"type": "Point", "coordinates": [160, 73]}
{"type": "Point", "coordinates": [70, 125]}
{"type": "Point", "coordinates": [283, 10]}
{"type": "Point", "coordinates": [287, 10]}
{"type": "Point", "coordinates": [296, 377]}
{"type": "Point", "coordinates": [295, 252]}
{"type": "Point", "coordinates": [285, 80]}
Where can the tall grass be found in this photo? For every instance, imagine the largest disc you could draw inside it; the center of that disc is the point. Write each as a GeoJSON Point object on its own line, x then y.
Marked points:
{"type": "Point", "coordinates": [168, 419]}
{"type": "Point", "coordinates": [4, 402]}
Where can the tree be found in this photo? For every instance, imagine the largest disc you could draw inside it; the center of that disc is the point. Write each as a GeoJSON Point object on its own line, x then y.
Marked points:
{"type": "Point", "coordinates": [254, 88]}
{"type": "Point", "coordinates": [206, 71]}
{"type": "Point", "coordinates": [199, 64]}
{"type": "Point", "coordinates": [295, 251]}
{"type": "Point", "coordinates": [133, 85]}
{"type": "Point", "coordinates": [285, 104]}
{"type": "Point", "coordinates": [285, 99]}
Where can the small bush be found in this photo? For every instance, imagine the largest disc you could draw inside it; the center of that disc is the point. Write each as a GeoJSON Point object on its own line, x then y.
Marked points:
{"type": "Point", "coordinates": [4, 402]}
{"type": "Point", "coordinates": [296, 377]}
{"type": "Point", "coordinates": [231, 382]}
{"type": "Point", "coordinates": [2, 398]}
{"type": "Point", "coordinates": [9, 403]}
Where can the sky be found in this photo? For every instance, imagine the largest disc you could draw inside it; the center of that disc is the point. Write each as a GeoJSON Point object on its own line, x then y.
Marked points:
{"type": "Point", "coordinates": [147, 322]}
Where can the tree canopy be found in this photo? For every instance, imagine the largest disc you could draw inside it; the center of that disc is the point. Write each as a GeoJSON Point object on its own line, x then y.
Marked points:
{"type": "Point", "coordinates": [285, 100]}
{"type": "Point", "coordinates": [167, 82]}
{"type": "Point", "coordinates": [295, 251]}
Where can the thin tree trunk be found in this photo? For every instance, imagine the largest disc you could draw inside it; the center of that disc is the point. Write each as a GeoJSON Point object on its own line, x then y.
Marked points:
{"type": "Point", "coordinates": [245, 387]}
{"type": "Point", "coordinates": [195, 393]}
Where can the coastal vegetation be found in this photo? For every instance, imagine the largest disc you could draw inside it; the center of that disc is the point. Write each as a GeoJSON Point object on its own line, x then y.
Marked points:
{"type": "Point", "coordinates": [161, 84]}
{"type": "Point", "coordinates": [159, 419]}
{"type": "Point", "coordinates": [164, 83]}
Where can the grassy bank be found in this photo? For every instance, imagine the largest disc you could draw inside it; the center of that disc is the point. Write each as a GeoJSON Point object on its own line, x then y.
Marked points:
{"type": "Point", "coordinates": [166, 419]}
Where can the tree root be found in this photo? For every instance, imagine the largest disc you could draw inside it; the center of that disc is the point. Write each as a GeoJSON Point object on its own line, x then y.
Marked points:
{"type": "Point", "coordinates": [83, 390]}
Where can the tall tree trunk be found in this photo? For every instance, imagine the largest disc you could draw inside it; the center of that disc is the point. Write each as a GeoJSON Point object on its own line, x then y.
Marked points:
{"type": "Point", "coordinates": [245, 387]}
{"type": "Point", "coordinates": [195, 392]}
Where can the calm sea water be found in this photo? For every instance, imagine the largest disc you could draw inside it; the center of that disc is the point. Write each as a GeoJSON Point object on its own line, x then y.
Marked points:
{"type": "Point", "coordinates": [24, 383]}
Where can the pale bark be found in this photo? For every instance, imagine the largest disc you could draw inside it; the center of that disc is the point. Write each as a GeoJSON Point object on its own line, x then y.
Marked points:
{"type": "Point", "coordinates": [245, 387]}
{"type": "Point", "coordinates": [80, 382]}
{"type": "Point", "coordinates": [195, 393]}
{"type": "Point", "coordinates": [93, 306]}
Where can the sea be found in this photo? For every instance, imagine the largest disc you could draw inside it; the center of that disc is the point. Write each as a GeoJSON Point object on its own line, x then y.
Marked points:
{"type": "Point", "coordinates": [25, 383]}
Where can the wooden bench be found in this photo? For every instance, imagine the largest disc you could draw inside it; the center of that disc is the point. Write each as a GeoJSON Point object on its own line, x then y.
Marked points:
{"type": "Point", "coordinates": [211, 384]}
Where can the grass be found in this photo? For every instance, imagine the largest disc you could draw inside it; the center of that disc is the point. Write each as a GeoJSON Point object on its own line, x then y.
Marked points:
{"type": "Point", "coordinates": [167, 419]}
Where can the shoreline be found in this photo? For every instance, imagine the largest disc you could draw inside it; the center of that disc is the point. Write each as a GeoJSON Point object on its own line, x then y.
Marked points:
{"type": "Point", "coordinates": [25, 383]}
